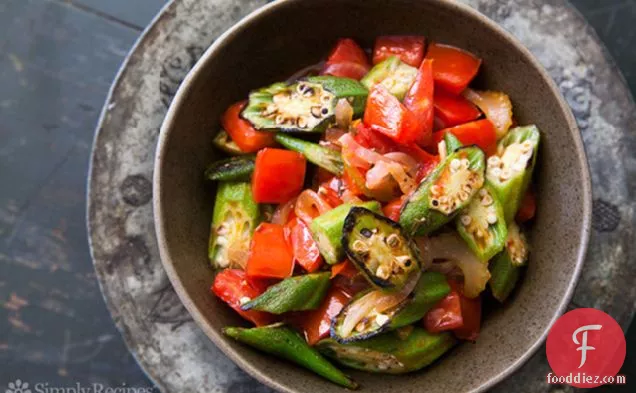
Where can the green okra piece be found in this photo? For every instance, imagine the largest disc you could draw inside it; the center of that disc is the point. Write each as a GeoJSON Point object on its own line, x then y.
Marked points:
{"type": "Point", "coordinates": [231, 169]}
{"type": "Point", "coordinates": [510, 170]}
{"type": "Point", "coordinates": [482, 224]}
{"type": "Point", "coordinates": [430, 289]}
{"type": "Point", "coordinates": [298, 293]}
{"type": "Point", "coordinates": [235, 217]}
{"type": "Point", "coordinates": [393, 74]}
{"type": "Point", "coordinates": [446, 191]}
{"type": "Point", "coordinates": [326, 230]}
{"type": "Point", "coordinates": [505, 268]}
{"type": "Point", "coordinates": [395, 352]}
{"type": "Point", "coordinates": [284, 343]}
{"type": "Point", "coordinates": [223, 142]}
{"type": "Point", "coordinates": [324, 157]}
{"type": "Point", "coordinates": [379, 249]}
{"type": "Point", "coordinates": [452, 143]}
{"type": "Point", "coordinates": [307, 105]}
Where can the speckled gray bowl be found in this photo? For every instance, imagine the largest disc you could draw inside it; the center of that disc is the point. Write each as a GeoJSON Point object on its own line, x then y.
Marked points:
{"type": "Point", "coordinates": [286, 35]}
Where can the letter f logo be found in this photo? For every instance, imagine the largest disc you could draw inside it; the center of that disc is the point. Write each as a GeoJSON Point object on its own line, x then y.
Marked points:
{"type": "Point", "coordinates": [584, 347]}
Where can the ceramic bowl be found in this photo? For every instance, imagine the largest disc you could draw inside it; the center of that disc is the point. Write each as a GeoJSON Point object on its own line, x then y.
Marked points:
{"type": "Point", "coordinates": [284, 36]}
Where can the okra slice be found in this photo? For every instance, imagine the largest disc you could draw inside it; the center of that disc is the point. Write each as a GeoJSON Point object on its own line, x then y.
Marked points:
{"type": "Point", "coordinates": [505, 268]}
{"type": "Point", "coordinates": [326, 230]}
{"type": "Point", "coordinates": [303, 106]}
{"type": "Point", "coordinates": [510, 170]}
{"type": "Point", "coordinates": [231, 169]}
{"type": "Point", "coordinates": [393, 74]}
{"type": "Point", "coordinates": [445, 192]}
{"type": "Point", "coordinates": [430, 289]}
{"type": "Point", "coordinates": [223, 142]}
{"type": "Point", "coordinates": [379, 249]}
{"type": "Point", "coordinates": [324, 157]}
{"type": "Point", "coordinates": [284, 343]}
{"type": "Point", "coordinates": [235, 217]}
{"type": "Point", "coordinates": [482, 224]}
{"type": "Point", "coordinates": [396, 352]}
{"type": "Point", "coordinates": [298, 293]}
{"type": "Point", "coordinates": [452, 143]}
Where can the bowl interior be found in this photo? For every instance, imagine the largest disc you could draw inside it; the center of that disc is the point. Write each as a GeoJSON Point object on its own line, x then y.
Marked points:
{"type": "Point", "coordinates": [289, 35]}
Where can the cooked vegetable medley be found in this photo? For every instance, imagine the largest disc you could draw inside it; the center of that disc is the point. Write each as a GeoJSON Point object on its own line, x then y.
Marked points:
{"type": "Point", "coordinates": [362, 213]}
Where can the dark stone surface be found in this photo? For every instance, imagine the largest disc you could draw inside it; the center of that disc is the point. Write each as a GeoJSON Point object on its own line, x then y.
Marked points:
{"type": "Point", "coordinates": [57, 60]}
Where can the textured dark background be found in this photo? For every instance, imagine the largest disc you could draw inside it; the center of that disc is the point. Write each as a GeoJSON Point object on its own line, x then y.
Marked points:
{"type": "Point", "coordinates": [57, 60]}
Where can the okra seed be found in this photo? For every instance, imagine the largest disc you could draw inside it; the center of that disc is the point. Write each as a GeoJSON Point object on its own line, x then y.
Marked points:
{"type": "Point", "coordinates": [366, 232]}
{"type": "Point", "coordinates": [301, 88]}
{"type": "Point", "coordinates": [280, 119]}
{"type": "Point", "coordinates": [309, 92]}
{"type": "Point", "coordinates": [486, 200]}
{"type": "Point", "coordinates": [483, 192]}
{"type": "Point", "coordinates": [315, 111]}
{"type": "Point", "coordinates": [435, 189]}
{"type": "Point", "coordinates": [491, 218]}
{"type": "Point", "coordinates": [359, 246]}
{"type": "Point", "coordinates": [496, 172]}
{"type": "Point", "coordinates": [466, 220]}
{"type": "Point", "coordinates": [325, 98]}
{"type": "Point", "coordinates": [465, 163]}
{"type": "Point", "coordinates": [393, 240]}
{"type": "Point", "coordinates": [443, 200]}
{"type": "Point", "coordinates": [463, 196]}
{"type": "Point", "coordinates": [505, 174]}
{"type": "Point", "coordinates": [325, 111]}
{"type": "Point", "coordinates": [527, 145]}
{"type": "Point", "coordinates": [435, 202]}
{"type": "Point", "coordinates": [301, 121]}
{"type": "Point", "coordinates": [494, 161]}
{"type": "Point", "coordinates": [382, 272]}
{"type": "Point", "coordinates": [455, 164]}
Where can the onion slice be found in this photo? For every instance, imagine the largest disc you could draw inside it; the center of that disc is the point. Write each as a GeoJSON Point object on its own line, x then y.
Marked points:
{"type": "Point", "coordinates": [344, 113]}
{"type": "Point", "coordinates": [310, 205]}
{"type": "Point", "coordinates": [281, 214]}
{"type": "Point", "coordinates": [495, 105]}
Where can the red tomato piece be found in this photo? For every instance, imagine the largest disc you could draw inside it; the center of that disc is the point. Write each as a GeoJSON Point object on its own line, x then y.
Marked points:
{"type": "Point", "coordinates": [347, 60]}
{"type": "Point", "coordinates": [453, 68]}
{"type": "Point", "coordinates": [392, 209]}
{"type": "Point", "coordinates": [410, 49]}
{"type": "Point", "coordinates": [446, 315]}
{"type": "Point", "coordinates": [386, 114]}
{"type": "Point", "coordinates": [231, 285]}
{"type": "Point", "coordinates": [330, 189]}
{"type": "Point", "coordinates": [527, 209]}
{"type": "Point", "coordinates": [247, 138]}
{"type": "Point", "coordinates": [471, 314]}
{"type": "Point", "coordinates": [419, 101]}
{"type": "Point", "coordinates": [304, 247]}
{"type": "Point", "coordinates": [481, 133]}
{"type": "Point", "coordinates": [316, 324]}
{"type": "Point", "coordinates": [278, 175]}
{"type": "Point", "coordinates": [271, 255]}
{"type": "Point", "coordinates": [345, 269]}
{"type": "Point", "coordinates": [452, 110]}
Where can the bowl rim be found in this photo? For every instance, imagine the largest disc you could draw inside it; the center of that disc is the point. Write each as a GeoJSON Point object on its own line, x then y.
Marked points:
{"type": "Point", "coordinates": [187, 84]}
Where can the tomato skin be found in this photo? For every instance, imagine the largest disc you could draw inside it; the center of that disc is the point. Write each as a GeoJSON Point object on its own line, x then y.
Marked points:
{"type": "Point", "coordinates": [230, 285]}
{"type": "Point", "coordinates": [345, 269]}
{"type": "Point", "coordinates": [278, 176]}
{"type": "Point", "coordinates": [471, 314]}
{"type": "Point", "coordinates": [304, 247]}
{"type": "Point", "coordinates": [392, 209]}
{"type": "Point", "coordinates": [271, 255]}
{"type": "Point", "coordinates": [419, 101]}
{"type": "Point", "coordinates": [347, 60]}
{"type": "Point", "coordinates": [316, 324]}
{"type": "Point", "coordinates": [241, 131]}
{"type": "Point", "coordinates": [410, 49]}
{"type": "Point", "coordinates": [453, 68]}
{"type": "Point", "coordinates": [386, 114]}
{"type": "Point", "coordinates": [452, 110]}
{"type": "Point", "coordinates": [329, 190]}
{"type": "Point", "coordinates": [528, 208]}
{"type": "Point", "coordinates": [446, 315]}
{"type": "Point", "coordinates": [481, 133]}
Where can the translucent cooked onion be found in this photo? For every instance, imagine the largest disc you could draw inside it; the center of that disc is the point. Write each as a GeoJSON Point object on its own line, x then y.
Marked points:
{"type": "Point", "coordinates": [358, 155]}
{"type": "Point", "coordinates": [409, 163]}
{"type": "Point", "coordinates": [333, 134]}
{"type": "Point", "coordinates": [495, 105]}
{"type": "Point", "coordinates": [281, 214]}
{"type": "Point", "coordinates": [310, 205]}
{"type": "Point", "coordinates": [344, 113]}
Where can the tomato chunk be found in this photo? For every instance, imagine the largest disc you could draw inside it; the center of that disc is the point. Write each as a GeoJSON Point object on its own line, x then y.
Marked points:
{"type": "Point", "coordinates": [316, 324]}
{"type": "Point", "coordinates": [347, 60]}
{"type": "Point", "coordinates": [419, 101]}
{"type": "Point", "coordinates": [278, 175]}
{"type": "Point", "coordinates": [392, 209]}
{"type": "Point", "coordinates": [453, 68]}
{"type": "Point", "coordinates": [386, 114]}
{"type": "Point", "coordinates": [231, 285]}
{"type": "Point", "coordinates": [345, 269]}
{"type": "Point", "coordinates": [446, 315]}
{"type": "Point", "coordinates": [481, 133]}
{"type": "Point", "coordinates": [452, 110]}
{"type": "Point", "coordinates": [471, 314]}
{"type": "Point", "coordinates": [304, 247]}
{"type": "Point", "coordinates": [246, 137]}
{"type": "Point", "coordinates": [528, 208]}
{"type": "Point", "coordinates": [271, 254]}
{"type": "Point", "coordinates": [410, 49]}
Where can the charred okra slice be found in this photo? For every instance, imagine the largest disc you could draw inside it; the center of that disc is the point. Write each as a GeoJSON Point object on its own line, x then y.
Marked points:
{"type": "Point", "coordinates": [304, 106]}
{"type": "Point", "coordinates": [393, 74]}
{"type": "Point", "coordinates": [223, 142]}
{"type": "Point", "coordinates": [235, 217]}
{"type": "Point", "coordinates": [444, 192]}
{"type": "Point", "coordinates": [298, 293]}
{"type": "Point", "coordinates": [396, 352]}
{"type": "Point", "coordinates": [505, 268]}
{"type": "Point", "coordinates": [326, 230]}
{"type": "Point", "coordinates": [379, 249]}
{"type": "Point", "coordinates": [430, 289]}
{"type": "Point", "coordinates": [284, 343]}
{"type": "Point", "coordinates": [231, 169]}
{"type": "Point", "coordinates": [324, 157]}
{"type": "Point", "coordinates": [482, 224]}
{"type": "Point", "coordinates": [510, 170]}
